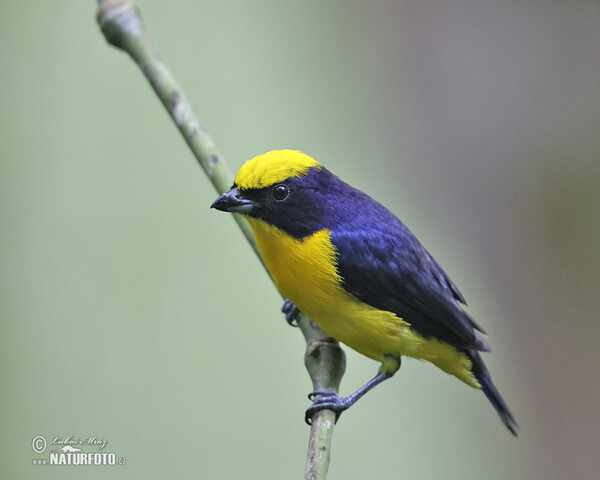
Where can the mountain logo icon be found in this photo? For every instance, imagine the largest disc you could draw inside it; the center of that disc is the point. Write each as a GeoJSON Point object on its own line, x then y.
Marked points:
{"type": "Point", "coordinates": [67, 449]}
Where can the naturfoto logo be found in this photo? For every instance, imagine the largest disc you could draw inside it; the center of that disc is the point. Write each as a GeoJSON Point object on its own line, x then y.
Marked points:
{"type": "Point", "coordinates": [71, 451]}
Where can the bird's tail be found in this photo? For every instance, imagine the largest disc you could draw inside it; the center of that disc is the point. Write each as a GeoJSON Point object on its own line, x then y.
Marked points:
{"type": "Point", "coordinates": [483, 377]}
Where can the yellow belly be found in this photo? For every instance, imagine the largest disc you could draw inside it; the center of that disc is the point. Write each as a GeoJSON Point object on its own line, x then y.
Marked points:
{"type": "Point", "coordinates": [305, 272]}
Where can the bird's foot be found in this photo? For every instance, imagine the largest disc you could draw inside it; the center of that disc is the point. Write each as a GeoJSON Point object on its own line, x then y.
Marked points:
{"type": "Point", "coordinates": [326, 400]}
{"type": "Point", "coordinates": [291, 312]}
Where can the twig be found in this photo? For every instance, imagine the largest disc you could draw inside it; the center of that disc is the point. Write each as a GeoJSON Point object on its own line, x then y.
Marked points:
{"type": "Point", "coordinates": [326, 363]}
{"type": "Point", "coordinates": [123, 27]}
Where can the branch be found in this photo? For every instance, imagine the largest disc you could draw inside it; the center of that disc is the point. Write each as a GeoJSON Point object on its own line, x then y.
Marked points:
{"type": "Point", "coordinates": [124, 28]}
{"type": "Point", "coordinates": [325, 362]}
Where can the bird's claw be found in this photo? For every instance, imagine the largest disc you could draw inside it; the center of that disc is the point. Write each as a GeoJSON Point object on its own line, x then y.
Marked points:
{"type": "Point", "coordinates": [291, 312]}
{"type": "Point", "coordinates": [325, 400]}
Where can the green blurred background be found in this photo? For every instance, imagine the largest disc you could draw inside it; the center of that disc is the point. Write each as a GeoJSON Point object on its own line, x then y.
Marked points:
{"type": "Point", "coordinates": [132, 312]}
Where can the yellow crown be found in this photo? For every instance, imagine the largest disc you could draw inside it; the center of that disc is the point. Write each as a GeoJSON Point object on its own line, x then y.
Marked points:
{"type": "Point", "coordinates": [274, 167]}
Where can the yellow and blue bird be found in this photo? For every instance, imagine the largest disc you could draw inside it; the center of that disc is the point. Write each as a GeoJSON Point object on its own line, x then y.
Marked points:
{"type": "Point", "coordinates": [358, 272]}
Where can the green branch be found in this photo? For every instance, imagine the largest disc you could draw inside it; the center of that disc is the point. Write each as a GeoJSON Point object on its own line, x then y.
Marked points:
{"type": "Point", "coordinates": [124, 28]}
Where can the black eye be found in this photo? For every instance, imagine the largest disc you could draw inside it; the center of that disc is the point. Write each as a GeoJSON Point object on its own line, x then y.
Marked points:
{"type": "Point", "coordinates": [280, 192]}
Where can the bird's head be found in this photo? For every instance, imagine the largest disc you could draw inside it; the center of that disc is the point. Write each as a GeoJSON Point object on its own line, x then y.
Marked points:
{"type": "Point", "coordinates": [284, 188]}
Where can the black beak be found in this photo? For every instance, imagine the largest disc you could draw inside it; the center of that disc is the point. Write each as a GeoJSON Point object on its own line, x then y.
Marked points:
{"type": "Point", "coordinates": [232, 201]}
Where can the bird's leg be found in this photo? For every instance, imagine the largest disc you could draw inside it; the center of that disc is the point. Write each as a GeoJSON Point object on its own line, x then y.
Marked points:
{"type": "Point", "coordinates": [291, 312]}
{"type": "Point", "coordinates": [326, 399]}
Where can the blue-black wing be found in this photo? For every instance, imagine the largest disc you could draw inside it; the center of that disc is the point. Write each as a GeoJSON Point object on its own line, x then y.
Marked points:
{"type": "Point", "coordinates": [384, 265]}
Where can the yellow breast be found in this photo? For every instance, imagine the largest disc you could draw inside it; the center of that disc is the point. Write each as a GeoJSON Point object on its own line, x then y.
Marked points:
{"type": "Point", "coordinates": [305, 271]}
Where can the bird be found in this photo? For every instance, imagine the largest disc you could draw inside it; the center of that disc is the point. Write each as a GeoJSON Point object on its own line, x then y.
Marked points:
{"type": "Point", "coordinates": [351, 266]}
